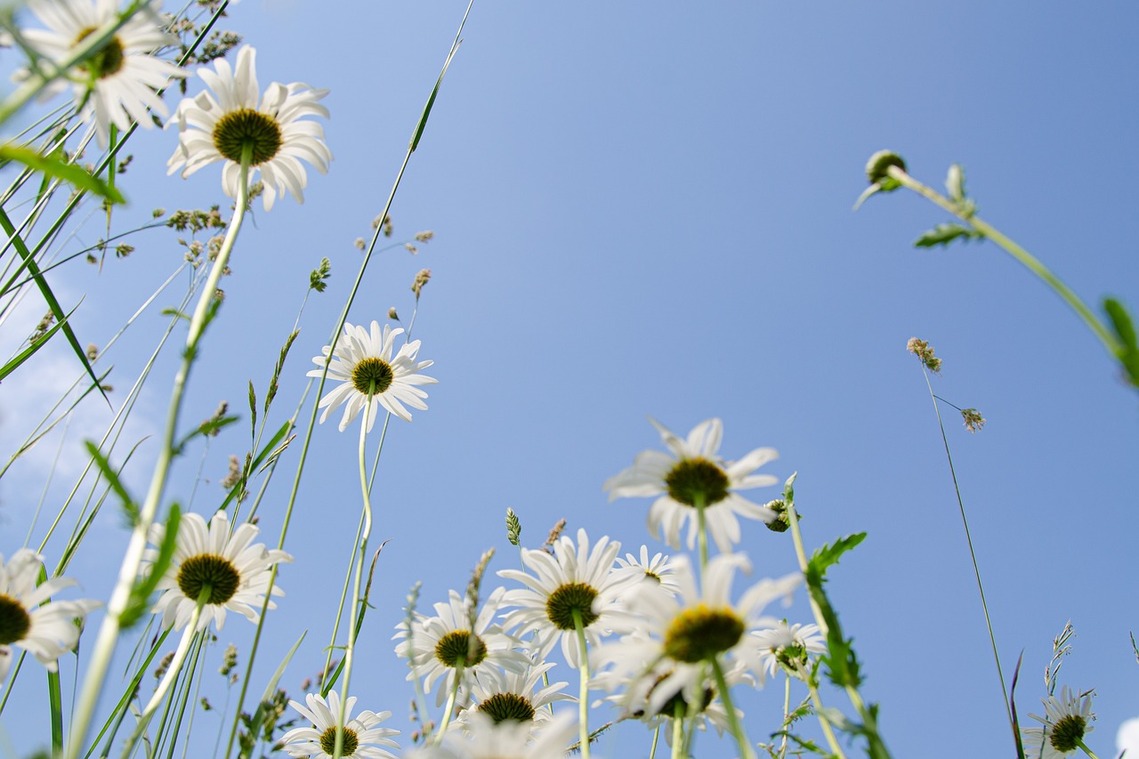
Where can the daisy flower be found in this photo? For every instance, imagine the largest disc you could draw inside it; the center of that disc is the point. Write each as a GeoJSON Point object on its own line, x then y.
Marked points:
{"type": "Point", "coordinates": [447, 646]}
{"type": "Point", "coordinates": [364, 367]}
{"type": "Point", "coordinates": [1066, 721]}
{"type": "Point", "coordinates": [691, 630]}
{"type": "Point", "coordinates": [236, 118]}
{"type": "Point", "coordinates": [574, 583]}
{"type": "Point", "coordinates": [483, 738]}
{"type": "Point", "coordinates": [520, 696]}
{"type": "Point", "coordinates": [787, 646]}
{"type": "Point", "coordinates": [117, 84]}
{"type": "Point", "coordinates": [658, 569]}
{"type": "Point", "coordinates": [223, 569]}
{"type": "Point", "coordinates": [695, 475]}
{"type": "Point", "coordinates": [45, 630]}
{"type": "Point", "coordinates": [362, 735]}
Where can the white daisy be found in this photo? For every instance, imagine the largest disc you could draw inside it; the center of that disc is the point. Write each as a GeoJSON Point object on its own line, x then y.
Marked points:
{"type": "Point", "coordinates": [362, 736]}
{"type": "Point", "coordinates": [482, 738]}
{"type": "Point", "coordinates": [1066, 721]}
{"type": "Point", "coordinates": [209, 562]}
{"type": "Point", "coordinates": [520, 696]}
{"type": "Point", "coordinates": [659, 569]}
{"type": "Point", "coordinates": [787, 646]}
{"type": "Point", "coordinates": [363, 365]}
{"type": "Point", "coordinates": [116, 85]}
{"type": "Point", "coordinates": [444, 646]}
{"type": "Point", "coordinates": [45, 630]}
{"type": "Point", "coordinates": [693, 474]}
{"type": "Point", "coordinates": [689, 631]}
{"type": "Point", "coordinates": [237, 118]}
{"type": "Point", "coordinates": [574, 582]}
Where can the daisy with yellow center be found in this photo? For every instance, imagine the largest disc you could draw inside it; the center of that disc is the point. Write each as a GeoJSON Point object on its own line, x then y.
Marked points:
{"type": "Point", "coordinates": [362, 736]}
{"type": "Point", "coordinates": [1066, 721]}
{"type": "Point", "coordinates": [117, 85]}
{"type": "Point", "coordinates": [237, 124]}
{"type": "Point", "coordinates": [519, 696]}
{"type": "Point", "coordinates": [215, 569]}
{"type": "Point", "coordinates": [483, 738]}
{"type": "Point", "coordinates": [45, 630]}
{"type": "Point", "coordinates": [371, 376]}
{"type": "Point", "coordinates": [694, 485]}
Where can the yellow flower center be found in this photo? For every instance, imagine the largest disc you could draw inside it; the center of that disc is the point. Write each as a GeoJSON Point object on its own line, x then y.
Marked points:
{"type": "Point", "coordinates": [698, 479]}
{"type": "Point", "coordinates": [372, 376]}
{"type": "Point", "coordinates": [349, 743]}
{"type": "Point", "coordinates": [244, 128]}
{"type": "Point", "coordinates": [1067, 733]}
{"type": "Point", "coordinates": [504, 706]}
{"type": "Point", "coordinates": [14, 620]}
{"type": "Point", "coordinates": [459, 647]}
{"type": "Point", "coordinates": [104, 62]}
{"type": "Point", "coordinates": [699, 633]}
{"type": "Point", "coordinates": [568, 598]}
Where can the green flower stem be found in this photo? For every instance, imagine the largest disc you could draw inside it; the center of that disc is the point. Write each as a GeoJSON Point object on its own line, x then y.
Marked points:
{"type": "Point", "coordinates": [350, 648]}
{"type": "Point", "coordinates": [972, 554]}
{"type": "Point", "coordinates": [172, 671]}
{"type": "Point", "coordinates": [824, 723]}
{"type": "Point", "coordinates": [1084, 747]}
{"type": "Point", "coordinates": [132, 558]}
{"type": "Point", "coordinates": [786, 715]}
{"type": "Point", "coordinates": [678, 731]}
{"type": "Point", "coordinates": [450, 708]}
{"type": "Point", "coordinates": [583, 693]}
{"type": "Point", "coordinates": [701, 534]}
{"type": "Point", "coordinates": [1020, 254]}
{"type": "Point", "coordinates": [39, 78]}
{"type": "Point", "coordinates": [746, 751]}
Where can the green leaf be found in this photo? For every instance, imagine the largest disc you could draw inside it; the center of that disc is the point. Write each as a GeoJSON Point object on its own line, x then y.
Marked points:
{"type": "Point", "coordinates": [139, 602]}
{"type": "Point", "coordinates": [828, 555]}
{"type": "Point", "coordinates": [943, 234]}
{"type": "Point", "coordinates": [1127, 352]}
{"type": "Point", "coordinates": [67, 172]}
{"type": "Point", "coordinates": [34, 346]}
{"type": "Point", "coordinates": [112, 478]}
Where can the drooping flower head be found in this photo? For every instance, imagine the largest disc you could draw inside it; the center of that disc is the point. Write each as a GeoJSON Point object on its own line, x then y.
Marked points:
{"type": "Point", "coordinates": [1066, 721]}
{"type": "Point", "coordinates": [573, 584]}
{"type": "Point", "coordinates": [117, 84]}
{"type": "Point", "coordinates": [45, 630]}
{"type": "Point", "coordinates": [447, 645]}
{"type": "Point", "coordinates": [223, 569]}
{"type": "Point", "coordinates": [695, 475]}
{"type": "Point", "coordinates": [364, 366]}
{"type": "Point", "coordinates": [787, 646]}
{"type": "Point", "coordinates": [236, 120]}
{"type": "Point", "coordinates": [362, 739]}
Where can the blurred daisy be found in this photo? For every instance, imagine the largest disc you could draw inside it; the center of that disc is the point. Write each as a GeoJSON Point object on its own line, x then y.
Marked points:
{"type": "Point", "coordinates": [787, 646]}
{"type": "Point", "coordinates": [117, 84]}
{"type": "Point", "coordinates": [45, 630]}
{"type": "Point", "coordinates": [236, 118]}
{"type": "Point", "coordinates": [520, 696]}
{"type": "Point", "coordinates": [572, 583]}
{"type": "Point", "coordinates": [483, 738]}
{"type": "Point", "coordinates": [362, 736]}
{"type": "Point", "coordinates": [680, 635]}
{"type": "Point", "coordinates": [693, 473]}
{"type": "Point", "coordinates": [658, 569]}
{"type": "Point", "coordinates": [447, 645]}
{"type": "Point", "coordinates": [211, 564]}
{"type": "Point", "coordinates": [1066, 721]}
{"type": "Point", "coordinates": [364, 367]}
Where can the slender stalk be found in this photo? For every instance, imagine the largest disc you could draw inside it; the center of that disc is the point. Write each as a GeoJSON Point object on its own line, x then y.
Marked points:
{"type": "Point", "coordinates": [132, 559]}
{"type": "Point", "coordinates": [350, 648]}
{"type": "Point", "coordinates": [1084, 747]}
{"type": "Point", "coordinates": [701, 534]}
{"type": "Point", "coordinates": [1029, 261]}
{"type": "Point", "coordinates": [583, 691]}
{"type": "Point", "coordinates": [824, 723]}
{"type": "Point", "coordinates": [656, 738]}
{"type": "Point", "coordinates": [450, 708]}
{"type": "Point", "coordinates": [746, 751]}
{"type": "Point", "coordinates": [972, 555]}
{"type": "Point", "coordinates": [678, 731]}
{"type": "Point", "coordinates": [786, 716]}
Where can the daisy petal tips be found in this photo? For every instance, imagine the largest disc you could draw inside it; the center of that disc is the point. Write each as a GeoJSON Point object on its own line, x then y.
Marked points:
{"type": "Point", "coordinates": [365, 367]}
{"type": "Point", "coordinates": [236, 119]}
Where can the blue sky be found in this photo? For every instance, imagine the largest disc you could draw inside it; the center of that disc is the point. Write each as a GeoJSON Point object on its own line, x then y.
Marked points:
{"type": "Point", "coordinates": [645, 209]}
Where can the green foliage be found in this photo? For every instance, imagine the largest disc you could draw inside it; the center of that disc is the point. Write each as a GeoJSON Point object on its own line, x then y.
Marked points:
{"type": "Point", "coordinates": [1128, 351]}
{"type": "Point", "coordinates": [943, 234]}
{"type": "Point", "coordinates": [51, 166]}
{"type": "Point", "coordinates": [139, 602]}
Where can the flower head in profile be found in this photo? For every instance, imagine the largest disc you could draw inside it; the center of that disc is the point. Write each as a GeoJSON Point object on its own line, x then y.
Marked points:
{"type": "Point", "coordinates": [520, 696]}
{"type": "Point", "coordinates": [117, 84]}
{"type": "Point", "coordinates": [45, 630]}
{"type": "Point", "coordinates": [693, 476]}
{"type": "Point", "coordinates": [573, 585]}
{"type": "Point", "coordinates": [1066, 721]}
{"type": "Point", "coordinates": [221, 569]}
{"type": "Point", "coordinates": [449, 646]}
{"type": "Point", "coordinates": [365, 368]}
{"type": "Point", "coordinates": [679, 635]}
{"type": "Point", "coordinates": [363, 738]}
{"type": "Point", "coordinates": [659, 569]}
{"type": "Point", "coordinates": [237, 122]}
{"type": "Point", "coordinates": [483, 738]}
{"type": "Point", "coordinates": [787, 646]}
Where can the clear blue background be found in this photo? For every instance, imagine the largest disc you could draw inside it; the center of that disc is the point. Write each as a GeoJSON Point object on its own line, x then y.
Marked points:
{"type": "Point", "coordinates": [643, 209]}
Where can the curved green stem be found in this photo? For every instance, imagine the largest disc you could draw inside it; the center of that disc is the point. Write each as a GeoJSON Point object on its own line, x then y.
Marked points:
{"type": "Point", "coordinates": [450, 708]}
{"type": "Point", "coordinates": [132, 558]}
{"type": "Point", "coordinates": [1020, 254]}
{"type": "Point", "coordinates": [583, 691]}
{"type": "Point", "coordinates": [746, 751]}
{"type": "Point", "coordinates": [1084, 747]}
